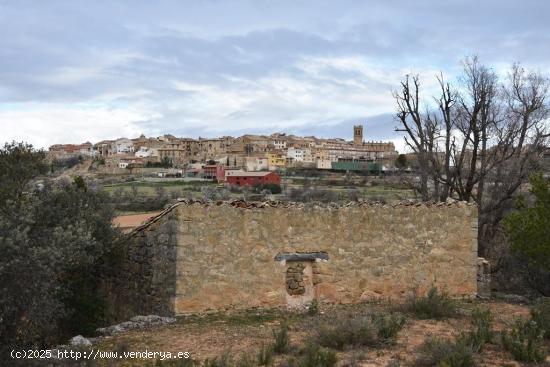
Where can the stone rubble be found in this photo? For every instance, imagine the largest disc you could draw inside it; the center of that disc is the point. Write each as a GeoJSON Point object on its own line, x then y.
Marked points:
{"type": "Point", "coordinates": [243, 204]}
{"type": "Point", "coordinates": [79, 340]}
{"type": "Point", "coordinates": [136, 322]}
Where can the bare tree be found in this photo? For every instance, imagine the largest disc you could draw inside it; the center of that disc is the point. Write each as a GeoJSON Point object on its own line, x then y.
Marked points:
{"type": "Point", "coordinates": [443, 123]}
{"type": "Point", "coordinates": [522, 138]}
{"type": "Point", "coordinates": [480, 140]}
{"type": "Point", "coordinates": [415, 125]}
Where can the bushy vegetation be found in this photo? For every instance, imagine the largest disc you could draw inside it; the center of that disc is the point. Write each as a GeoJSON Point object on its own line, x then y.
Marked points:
{"type": "Point", "coordinates": [388, 326]}
{"type": "Point", "coordinates": [165, 162]}
{"type": "Point", "coordinates": [55, 239]}
{"type": "Point", "coordinates": [401, 162]}
{"type": "Point", "coordinates": [482, 330]}
{"type": "Point", "coordinates": [308, 194]}
{"type": "Point", "coordinates": [528, 229]}
{"type": "Point", "coordinates": [446, 353]}
{"type": "Point", "coordinates": [224, 360]}
{"type": "Point", "coordinates": [281, 339]}
{"type": "Point", "coordinates": [434, 305]}
{"type": "Point", "coordinates": [460, 351]}
{"type": "Point", "coordinates": [313, 308]}
{"type": "Point", "coordinates": [540, 314]}
{"type": "Point", "coordinates": [525, 342]}
{"type": "Point", "coordinates": [364, 330]}
{"type": "Point", "coordinates": [265, 356]}
{"type": "Point", "coordinates": [132, 201]}
{"type": "Point", "coordinates": [312, 356]}
{"type": "Point", "coordinates": [65, 163]}
{"type": "Point", "coordinates": [215, 193]}
{"type": "Point", "coordinates": [272, 188]}
{"type": "Point", "coordinates": [315, 356]}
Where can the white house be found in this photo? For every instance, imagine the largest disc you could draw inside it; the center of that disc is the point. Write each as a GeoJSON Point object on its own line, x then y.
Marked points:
{"type": "Point", "coordinates": [256, 163]}
{"type": "Point", "coordinates": [86, 149]}
{"type": "Point", "coordinates": [123, 146]}
{"type": "Point", "coordinates": [279, 144]}
{"type": "Point", "coordinates": [299, 155]}
{"type": "Point", "coordinates": [144, 152]}
{"type": "Point", "coordinates": [324, 164]}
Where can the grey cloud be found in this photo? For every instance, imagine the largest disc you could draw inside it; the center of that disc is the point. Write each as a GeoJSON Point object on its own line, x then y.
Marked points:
{"type": "Point", "coordinates": [377, 127]}
{"type": "Point", "coordinates": [135, 52]}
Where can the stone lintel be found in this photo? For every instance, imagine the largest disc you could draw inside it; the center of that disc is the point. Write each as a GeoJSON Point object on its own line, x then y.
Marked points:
{"type": "Point", "coordinates": [301, 256]}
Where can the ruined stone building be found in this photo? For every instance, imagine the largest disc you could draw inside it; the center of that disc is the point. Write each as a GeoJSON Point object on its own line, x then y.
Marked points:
{"type": "Point", "coordinates": [231, 255]}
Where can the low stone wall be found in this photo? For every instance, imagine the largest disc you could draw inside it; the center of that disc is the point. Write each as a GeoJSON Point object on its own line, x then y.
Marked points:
{"type": "Point", "coordinates": [226, 254]}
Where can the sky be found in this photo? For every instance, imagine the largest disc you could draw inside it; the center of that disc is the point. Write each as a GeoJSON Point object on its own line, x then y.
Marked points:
{"type": "Point", "coordinates": [86, 70]}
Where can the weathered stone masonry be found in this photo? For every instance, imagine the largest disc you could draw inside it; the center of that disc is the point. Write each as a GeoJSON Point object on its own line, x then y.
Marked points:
{"type": "Point", "coordinates": [295, 279]}
{"type": "Point", "coordinates": [231, 255]}
{"type": "Point", "coordinates": [146, 278]}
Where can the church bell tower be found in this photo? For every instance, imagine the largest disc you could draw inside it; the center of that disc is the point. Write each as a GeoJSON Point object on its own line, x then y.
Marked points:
{"type": "Point", "coordinates": [358, 134]}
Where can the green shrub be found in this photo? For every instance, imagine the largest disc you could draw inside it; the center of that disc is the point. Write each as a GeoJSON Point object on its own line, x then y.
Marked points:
{"type": "Point", "coordinates": [434, 305]}
{"type": "Point", "coordinates": [274, 188]}
{"type": "Point", "coordinates": [315, 356]}
{"type": "Point", "coordinates": [346, 331]}
{"type": "Point", "coordinates": [388, 326]}
{"type": "Point", "coordinates": [541, 315]}
{"type": "Point", "coordinates": [482, 332]}
{"type": "Point", "coordinates": [370, 330]}
{"type": "Point", "coordinates": [265, 356]}
{"type": "Point", "coordinates": [224, 360]}
{"type": "Point", "coordinates": [446, 353]}
{"type": "Point", "coordinates": [282, 339]}
{"type": "Point", "coordinates": [313, 308]}
{"type": "Point", "coordinates": [527, 228]}
{"type": "Point", "coordinates": [525, 342]}
{"type": "Point", "coordinates": [246, 361]}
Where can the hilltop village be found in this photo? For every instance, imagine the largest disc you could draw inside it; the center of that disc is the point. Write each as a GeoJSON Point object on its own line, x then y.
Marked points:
{"type": "Point", "coordinates": [217, 157]}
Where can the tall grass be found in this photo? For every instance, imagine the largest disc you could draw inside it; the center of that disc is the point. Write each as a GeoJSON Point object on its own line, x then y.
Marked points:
{"type": "Point", "coordinates": [445, 353]}
{"type": "Point", "coordinates": [364, 330]}
{"type": "Point", "coordinates": [434, 305]}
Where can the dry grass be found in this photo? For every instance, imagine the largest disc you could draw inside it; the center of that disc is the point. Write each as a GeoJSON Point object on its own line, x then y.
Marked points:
{"type": "Point", "coordinates": [240, 334]}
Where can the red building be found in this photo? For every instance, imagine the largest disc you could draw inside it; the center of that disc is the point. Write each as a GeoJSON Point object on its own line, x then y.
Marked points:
{"type": "Point", "coordinates": [242, 178]}
{"type": "Point", "coordinates": [214, 172]}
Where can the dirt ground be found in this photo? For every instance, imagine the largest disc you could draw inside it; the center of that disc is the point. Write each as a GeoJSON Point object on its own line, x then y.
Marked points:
{"type": "Point", "coordinates": [208, 336]}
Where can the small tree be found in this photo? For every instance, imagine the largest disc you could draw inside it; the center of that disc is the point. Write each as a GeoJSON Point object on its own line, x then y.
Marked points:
{"type": "Point", "coordinates": [80, 183]}
{"type": "Point", "coordinates": [528, 229]}
{"type": "Point", "coordinates": [19, 164]}
{"type": "Point", "coordinates": [401, 161]}
{"type": "Point", "coordinates": [273, 188]}
{"type": "Point", "coordinates": [166, 162]}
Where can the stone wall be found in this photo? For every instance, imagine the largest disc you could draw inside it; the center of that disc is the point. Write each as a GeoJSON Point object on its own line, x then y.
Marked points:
{"type": "Point", "coordinates": [226, 254]}
{"type": "Point", "coordinates": [144, 279]}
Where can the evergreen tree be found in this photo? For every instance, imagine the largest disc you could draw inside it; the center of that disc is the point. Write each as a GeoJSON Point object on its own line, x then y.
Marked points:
{"type": "Point", "coordinates": [528, 229]}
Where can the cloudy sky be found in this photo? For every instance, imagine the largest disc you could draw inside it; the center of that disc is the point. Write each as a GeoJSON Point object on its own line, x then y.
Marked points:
{"type": "Point", "coordinates": [78, 70]}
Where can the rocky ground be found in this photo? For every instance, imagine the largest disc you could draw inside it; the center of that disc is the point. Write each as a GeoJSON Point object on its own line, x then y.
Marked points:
{"type": "Point", "coordinates": [211, 335]}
